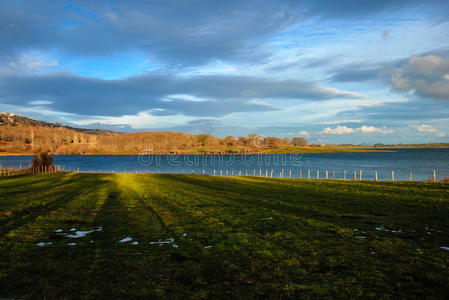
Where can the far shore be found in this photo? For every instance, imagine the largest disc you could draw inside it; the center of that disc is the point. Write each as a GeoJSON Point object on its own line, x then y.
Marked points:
{"type": "Point", "coordinates": [301, 150]}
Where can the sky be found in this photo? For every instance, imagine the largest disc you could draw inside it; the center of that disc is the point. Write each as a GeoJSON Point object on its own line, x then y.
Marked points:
{"type": "Point", "coordinates": [330, 71]}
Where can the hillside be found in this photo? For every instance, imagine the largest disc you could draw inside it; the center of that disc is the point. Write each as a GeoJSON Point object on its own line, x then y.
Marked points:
{"type": "Point", "coordinates": [23, 135]}
{"type": "Point", "coordinates": [12, 119]}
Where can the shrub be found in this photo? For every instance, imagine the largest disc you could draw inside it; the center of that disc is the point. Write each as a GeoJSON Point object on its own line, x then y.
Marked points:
{"type": "Point", "coordinates": [42, 160]}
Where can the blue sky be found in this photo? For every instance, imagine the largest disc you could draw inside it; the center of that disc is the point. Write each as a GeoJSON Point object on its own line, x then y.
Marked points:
{"type": "Point", "coordinates": [333, 72]}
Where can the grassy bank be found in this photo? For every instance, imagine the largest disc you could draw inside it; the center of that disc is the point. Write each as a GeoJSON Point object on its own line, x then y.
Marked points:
{"type": "Point", "coordinates": [185, 236]}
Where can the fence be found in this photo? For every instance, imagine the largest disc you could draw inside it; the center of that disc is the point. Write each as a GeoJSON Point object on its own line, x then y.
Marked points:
{"type": "Point", "coordinates": [328, 175]}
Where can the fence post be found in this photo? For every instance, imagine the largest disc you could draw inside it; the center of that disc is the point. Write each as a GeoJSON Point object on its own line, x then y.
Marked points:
{"type": "Point", "coordinates": [326, 175]}
{"type": "Point", "coordinates": [240, 172]}
{"type": "Point", "coordinates": [246, 173]}
{"type": "Point", "coordinates": [266, 173]}
{"type": "Point", "coordinates": [360, 175]}
{"type": "Point", "coordinates": [260, 172]}
{"type": "Point", "coordinates": [434, 176]}
{"type": "Point", "coordinates": [300, 174]}
{"type": "Point", "coordinates": [411, 176]}
{"type": "Point", "coordinates": [376, 176]}
{"type": "Point", "coordinates": [392, 175]}
{"type": "Point", "coordinates": [271, 175]}
{"type": "Point", "coordinates": [333, 175]}
{"type": "Point", "coordinates": [254, 173]}
{"type": "Point", "coordinates": [344, 175]}
{"type": "Point", "coordinates": [309, 174]}
{"type": "Point", "coordinates": [317, 174]}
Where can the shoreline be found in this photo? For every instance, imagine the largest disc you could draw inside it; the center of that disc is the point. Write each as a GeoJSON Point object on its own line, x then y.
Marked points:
{"type": "Point", "coordinates": [200, 154]}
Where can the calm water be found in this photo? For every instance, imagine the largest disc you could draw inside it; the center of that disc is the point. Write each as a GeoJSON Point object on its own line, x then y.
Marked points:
{"type": "Point", "coordinates": [421, 162]}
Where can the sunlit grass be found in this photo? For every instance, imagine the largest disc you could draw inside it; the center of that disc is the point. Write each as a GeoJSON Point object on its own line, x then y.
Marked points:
{"type": "Point", "coordinates": [207, 237]}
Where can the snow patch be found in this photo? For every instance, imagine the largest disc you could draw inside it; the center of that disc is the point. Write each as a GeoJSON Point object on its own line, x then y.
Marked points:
{"type": "Point", "coordinates": [445, 248]}
{"type": "Point", "coordinates": [43, 244]}
{"type": "Point", "coordinates": [161, 242]}
{"type": "Point", "coordinates": [207, 247]}
{"type": "Point", "coordinates": [71, 244]}
{"type": "Point", "coordinates": [135, 243]}
{"type": "Point", "coordinates": [125, 240]}
{"type": "Point", "coordinates": [79, 234]}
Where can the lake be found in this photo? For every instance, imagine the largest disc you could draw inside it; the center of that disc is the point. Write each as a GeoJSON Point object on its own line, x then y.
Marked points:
{"type": "Point", "coordinates": [421, 162]}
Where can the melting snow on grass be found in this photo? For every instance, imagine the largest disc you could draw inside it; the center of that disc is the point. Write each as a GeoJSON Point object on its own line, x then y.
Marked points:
{"type": "Point", "coordinates": [71, 244]}
{"type": "Point", "coordinates": [207, 247]}
{"type": "Point", "coordinates": [79, 234]}
{"type": "Point", "coordinates": [161, 242]}
{"type": "Point", "coordinates": [445, 248]}
{"type": "Point", "coordinates": [382, 228]}
{"type": "Point", "coordinates": [43, 244]}
{"type": "Point", "coordinates": [125, 240]}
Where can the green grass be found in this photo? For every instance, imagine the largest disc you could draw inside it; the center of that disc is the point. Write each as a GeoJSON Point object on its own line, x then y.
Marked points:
{"type": "Point", "coordinates": [275, 238]}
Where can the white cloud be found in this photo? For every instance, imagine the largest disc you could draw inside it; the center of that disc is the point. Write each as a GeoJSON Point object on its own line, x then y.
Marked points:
{"type": "Point", "coordinates": [339, 130]}
{"type": "Point", "coordinates": [423, 128]}
{"type": "Point", "coordinates": [40, 102]}
{"type": "Point", "coordinates": [427, 76]}
{"type": "Point", "coordinates": [303, 133]}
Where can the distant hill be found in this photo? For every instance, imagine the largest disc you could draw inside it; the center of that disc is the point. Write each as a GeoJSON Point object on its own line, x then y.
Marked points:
{"type": "Point", "coordinates": [23, 135]}
{"type": "Point", "coordinates": [12, 119]}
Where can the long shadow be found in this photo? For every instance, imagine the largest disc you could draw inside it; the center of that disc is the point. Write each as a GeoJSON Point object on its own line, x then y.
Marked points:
{"type": "Point", "coordinates": [30, 214]}
{"type": "Point", "coordinates": [284, 203]}
{"type": "Point", "coordinates": [43, 184]}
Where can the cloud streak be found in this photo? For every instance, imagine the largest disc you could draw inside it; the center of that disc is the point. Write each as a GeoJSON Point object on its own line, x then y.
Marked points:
{"type": "Point", "coordinates": [164, 94]}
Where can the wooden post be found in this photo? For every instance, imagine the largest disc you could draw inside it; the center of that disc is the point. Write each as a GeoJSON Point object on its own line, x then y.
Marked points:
{"type": "Point", "coordinates": [227, 173]}
{"type": "Point", "coordinates": [266, 173]}
{"type": "Point", "coordinates": [344, 175]}
{"type": "Point", "coordinates": [280, 174]}
{"type": "Point", "coordinates": [246, 173]}
{"type": "Point", "coordinates": [260, 172]}
{"type": "Point", "coordinates": [309, 174]}
{"type": "Point", "coordinates": [271, 175]}
{"type": "Point", "coordinates": [221, 172]}
{"type": "Point", "coordinates": [317, 174]}
{"type": "Point", "coordinates": [326, 175]}
{"type": "Point", "coordinates": [360, 175]}
{"type": "Point", "coordinates": [355, 175]}
{"type": "Point", "coordinates": [392, 175]}
{"type": "Point", "coordinates": [290, 173]}
{"type": "Point", "coordinates": [376, 176]}
{"type": "Point", "coordinates": [300, 174]}
{"type": "Point", "coordinates": [240, 173]}
{"type": "Point", "coordinates": [254, 173]}
{"type": "Point", "coordinates": [411, 176]}
{"type": "Point", "coordinates": [434, 176]}
{"type": "Point", "coordinates": [232, 173]}
{"type": "Point", "coordinates": [214, 172]}
{"type": "Point", "coordinates": [333, 175]}
{"type": "Point", "coordinates": [204, 171]}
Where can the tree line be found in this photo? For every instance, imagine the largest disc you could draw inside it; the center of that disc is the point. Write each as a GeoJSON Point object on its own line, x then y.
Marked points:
{"type": "Point", "coordinates": [24, 138]}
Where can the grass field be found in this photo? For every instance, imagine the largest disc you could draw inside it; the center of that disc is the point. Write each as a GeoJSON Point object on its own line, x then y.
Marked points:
{"type": "Point", "coordinates": [185, 236]}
